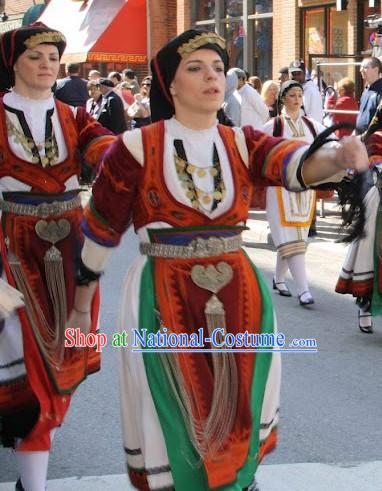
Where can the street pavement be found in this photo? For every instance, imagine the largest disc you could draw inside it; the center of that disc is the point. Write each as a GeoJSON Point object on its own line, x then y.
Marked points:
{"type": "Point", "coordinates": [331, 410]}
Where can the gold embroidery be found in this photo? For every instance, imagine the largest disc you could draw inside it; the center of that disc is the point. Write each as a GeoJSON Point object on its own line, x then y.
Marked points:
{"type": "Point", "coordinates": [44, 37]}
{"type": "Point", "coordinates": [28, 144]}
{"type": "Point", "coordinates": [200, 40]}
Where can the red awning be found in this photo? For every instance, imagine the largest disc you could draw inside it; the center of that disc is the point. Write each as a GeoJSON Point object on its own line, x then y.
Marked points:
{"type": "Point", "coordinates": [99, 30]}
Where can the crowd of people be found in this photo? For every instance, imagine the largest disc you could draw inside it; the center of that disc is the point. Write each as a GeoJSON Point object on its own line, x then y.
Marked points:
{"type": "Point", "coordinates": [191, 421]}
{"type": "Point", "coordinates": [117, 101]}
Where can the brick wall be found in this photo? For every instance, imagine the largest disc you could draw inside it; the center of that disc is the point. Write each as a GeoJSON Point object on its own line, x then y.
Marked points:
{"type": "Point", "coordinates": [183, 15]}
{"type": "Point", "coordinates": [162, 23]}
{"type": "Point", "coordinates": [286, 33]}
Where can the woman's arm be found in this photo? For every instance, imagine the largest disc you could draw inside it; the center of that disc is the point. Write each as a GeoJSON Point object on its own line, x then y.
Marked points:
{"type": "Point", "coordinates": [326, 162]}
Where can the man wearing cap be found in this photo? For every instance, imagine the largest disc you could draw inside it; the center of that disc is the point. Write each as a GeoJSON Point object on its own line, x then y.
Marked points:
{"type": "Point", "coordinates": [312, 97]}
{"type": "Point", "coordinates": [112, 114]}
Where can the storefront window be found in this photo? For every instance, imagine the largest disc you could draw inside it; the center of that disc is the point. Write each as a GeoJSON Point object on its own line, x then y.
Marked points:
{"type": "Point", "coordinates": [325, 32]}
{"type": "Point", "coordinates": [314, 30]}
{"type": "Point", "coordinates": [257, 58]}
{"type": "Point", "coordinates": [338, 31]}
{"type": "Point", "coordinates": [260, 6]}
{"type": "Point", "coordinates": [233, 8]}
{"type": "Point", "coordinates": [234, 36]}
{"type": "Point", "coordinates": [205, 9]}
{"type": "Point", "coordinates": [261, 34]}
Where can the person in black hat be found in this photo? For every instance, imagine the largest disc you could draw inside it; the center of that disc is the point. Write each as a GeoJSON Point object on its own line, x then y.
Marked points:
{"type": "Point", "coordinates": [283, 75]}
{"type": "Point", "coordinates": [312, 107]}
{"type": "Point", "coordinates": [41, 142]}
{"type": "Point", "coordinates": [194, 421]}
{"type": "Point", "coordinates": [112, 113]}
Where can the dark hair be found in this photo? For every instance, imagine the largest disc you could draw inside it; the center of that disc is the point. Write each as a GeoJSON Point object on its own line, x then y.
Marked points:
{"type": "Point", "coordinates": [128, 72]}
{"type": "Point", "coordinates": [284, 70]}
{"type": "Point", "coordinates": [72, 67]}
{"type": "Point", "coordinates": [116, 75]}
{"type": "Point", "coordinates": [105, 82]}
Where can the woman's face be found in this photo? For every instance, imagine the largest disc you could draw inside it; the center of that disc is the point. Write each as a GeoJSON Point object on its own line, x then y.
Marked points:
{"type": "Point", "coordinates": [292, 100]}
{"type": "Point", "coordinates": [199, 83]}
{"type": "Point", "coordinates": [94, 92]}
{"type": "Point", "coordinates": [145, 88]}
{"type": "Point", "coordinates": [37, 69]}
{"type": "Point", "coordinates": [272, 93]}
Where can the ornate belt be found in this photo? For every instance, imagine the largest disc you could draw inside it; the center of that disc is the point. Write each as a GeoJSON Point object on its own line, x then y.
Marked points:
{"type": "Point", "coordinates": [213, 246]}
{"type": "Point", "coordinates": [43, 210]}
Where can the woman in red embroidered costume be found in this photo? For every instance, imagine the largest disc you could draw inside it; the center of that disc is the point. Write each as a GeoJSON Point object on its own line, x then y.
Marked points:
{"type": "Point", "coordinates": [41, 141]}
{"type": "Point", "coordinates": [194, 420]}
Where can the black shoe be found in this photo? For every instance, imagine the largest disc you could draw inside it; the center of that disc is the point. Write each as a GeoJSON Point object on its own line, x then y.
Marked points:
{"type": "Point", "coordinates": [284, 292]}
{"type": "Point", "coordinates": [312, 232]}
{"type": "Point", "coordinates": [367, 321]}
{"type": "Point", "coordinates": [307, 300]}
{"type": "Point", "coordinates": [19, 486]}
{"type": "Point", "coordinates": [253, 487]}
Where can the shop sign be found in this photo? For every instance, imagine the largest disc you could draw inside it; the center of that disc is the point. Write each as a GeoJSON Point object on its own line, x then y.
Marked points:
{"type": "Point", "coordinates": [8, 25]}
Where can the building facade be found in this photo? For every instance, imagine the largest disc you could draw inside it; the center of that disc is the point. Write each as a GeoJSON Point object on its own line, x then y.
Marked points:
{"type": "Point", "coordinates": [264, 35]}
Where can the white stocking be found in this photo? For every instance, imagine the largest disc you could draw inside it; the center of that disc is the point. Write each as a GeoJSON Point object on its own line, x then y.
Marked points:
{"type": "Point", "coordinates": [33, 468]}
{"type": "Point", "coordinates": [297, 268]}
{"type": "Point", "coordinates": [281, 269]}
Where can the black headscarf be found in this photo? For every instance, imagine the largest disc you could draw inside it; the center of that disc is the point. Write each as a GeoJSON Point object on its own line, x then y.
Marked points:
{"type": "Point", "coordinates": [167, 60]}
{"type": "Point", "coordinates": [14, 43]}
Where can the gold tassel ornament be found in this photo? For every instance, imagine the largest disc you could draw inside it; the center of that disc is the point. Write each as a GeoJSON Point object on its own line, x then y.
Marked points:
{"type": "Point", "coordinates": [48, 342]}
{"type": "Point", "coordinates": [53, 232]}
{"type": "Point", "coordinates": [221, 417]}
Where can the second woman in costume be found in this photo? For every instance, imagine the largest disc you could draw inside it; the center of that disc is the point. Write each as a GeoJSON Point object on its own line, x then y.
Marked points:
{"type": "Point", "coordinates": [289, 213]}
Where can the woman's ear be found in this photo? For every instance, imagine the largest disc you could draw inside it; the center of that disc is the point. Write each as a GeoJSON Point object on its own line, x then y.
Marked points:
{"type": "Point", "coordinates": [172, 90]}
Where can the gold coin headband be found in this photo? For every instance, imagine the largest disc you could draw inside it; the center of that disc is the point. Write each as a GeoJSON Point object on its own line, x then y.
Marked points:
{"type": "Point", "coordinates": [44, 37]}
{"type": "Point", "coordinates": [200, 40]}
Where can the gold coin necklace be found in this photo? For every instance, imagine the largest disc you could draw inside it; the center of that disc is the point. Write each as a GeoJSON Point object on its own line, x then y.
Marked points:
{"type": "Point", "coordinates": [25, 138]}
{"type": "Point", "coordinates": [200, 199]}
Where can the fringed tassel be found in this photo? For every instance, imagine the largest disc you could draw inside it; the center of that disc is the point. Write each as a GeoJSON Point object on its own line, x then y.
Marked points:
{"type": "Point", "coordinates": [55, 281]}
{"type": "Point", "coordinates": [208, 436]}
{"type": "Point", "coordinates": [49, 342]}
{"type": "Point", "coordinates": [222, 413]}
{"type": "Point", "coordinates": [175, 378]}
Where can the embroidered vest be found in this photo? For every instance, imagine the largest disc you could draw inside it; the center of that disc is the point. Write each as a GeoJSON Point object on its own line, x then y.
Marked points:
{"type": "Point", "coordinates": [49, 179]}
{"type": "Point", "coordinates": [155, 202]}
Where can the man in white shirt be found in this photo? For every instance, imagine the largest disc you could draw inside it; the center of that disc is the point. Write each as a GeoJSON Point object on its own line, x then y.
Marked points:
{"type": "Point", "coordinates": [312, 97]}
{"type": "Point", "coordinates": [254, 111]}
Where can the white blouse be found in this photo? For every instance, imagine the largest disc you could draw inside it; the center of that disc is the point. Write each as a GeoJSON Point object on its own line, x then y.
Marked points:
{"type": "Point", "coordinates": [35, 114]}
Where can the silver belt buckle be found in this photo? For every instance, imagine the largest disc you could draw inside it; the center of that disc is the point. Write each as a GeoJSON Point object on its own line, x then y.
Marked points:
{"type": "Point", "coordinates": [45, 210]}
{"type": "Point", "coordinates": [213, 246]}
